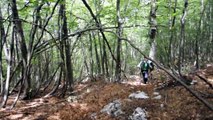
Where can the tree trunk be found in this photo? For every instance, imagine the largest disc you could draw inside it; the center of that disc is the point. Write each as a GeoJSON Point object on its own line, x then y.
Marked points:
{"type": "Point", "coordinates": [105, 59]}
{"type": "Point", "coordinates": [98, 24]}
{"type": "Point", "coordinates": [57, 83]}
{"type": "Point", "coordinates": [34, 27]}
{"type": "Point", "coordinates": [66, 49]}
{"type": "Point", "coordinates": [96, 54]}
{"type": "Point", "coordinates": [7, 84]}
{"type": "Point", "coordinates": [119, 32]}
{"type": "Point", "coordinates": [198, 38]}
{"type": "Point", "coordinates": [182, 39]}
{"type": "Point", "coordinates": [18, 25]}
{"type": "Point", "coordinates": [171, 49]}
{"type": "Point", "coordinates": [91, 55]}
{"type": "Point", "coordinates": [2, 37]}
{"type": "Point", "coordinates": [18, 95]}
{"type": "Point", "coordinates": [153, 29]}
{"type": "Point", "coordinates": [101, 54]}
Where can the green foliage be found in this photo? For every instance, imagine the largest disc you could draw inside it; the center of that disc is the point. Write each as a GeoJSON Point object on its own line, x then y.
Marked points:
{"type": "Point", "coordinates": [135, 15]}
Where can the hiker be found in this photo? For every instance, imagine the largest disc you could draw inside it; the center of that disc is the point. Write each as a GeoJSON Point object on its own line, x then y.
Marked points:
{"type": "Point", "coordinates": [146, 66]}
{"type": "Point", "coordinates": [151, 68]}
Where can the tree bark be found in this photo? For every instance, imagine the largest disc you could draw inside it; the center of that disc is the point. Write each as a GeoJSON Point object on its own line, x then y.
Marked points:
{"type": "Point", "coordinates": [66, 50]}
{"type": "Point", "coordinates": [198, 38]}
{"type": "Point", "coordinates": [57, 83]}
{"type": "Point", "coordinates": [205, 80]}
{"type": "Point", "coordinates": [18, 26]}
{"type": "Point", "coordinates": [119, 32]}
{"type": "Point", "coordinates": [91, 55]}
{"type": "Point", "coordinates": [171, 46]}
{"type": "Point", "coordinates": [34, 26]}
{"type": "Point", "coordinates": [96, 54]}
{"type": "Point", "coordinates": [7, 84]}
{"type": "Point", "coordinates": [182, 39]}
{"type": "Point", "coordinates": [3, 38]}
{"type": "Point", "coordinates": [153, 29]}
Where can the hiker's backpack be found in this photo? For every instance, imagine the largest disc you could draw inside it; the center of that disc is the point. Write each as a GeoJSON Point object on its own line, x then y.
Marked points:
{"type": "Point", "coordinates": [144, 66]}
{"type": "Point", "coordinates": [151, 66]}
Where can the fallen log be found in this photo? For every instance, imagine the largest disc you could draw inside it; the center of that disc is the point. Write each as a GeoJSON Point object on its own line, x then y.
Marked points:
{"type": "Point", "coordinates": [205, 80]}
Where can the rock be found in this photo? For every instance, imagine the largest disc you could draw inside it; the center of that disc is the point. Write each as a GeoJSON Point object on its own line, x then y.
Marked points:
{"type": "Point", "coordinates": [113, 109]}
{"type": "Point", "coordinates": [72, 99]}
{"type": "Point", "coordinates": [93, 116]}
{"type": "Point", "coordinates": [140, 95]}
{"type": "Point", "coordinates": [86, 80]}
{"type": "Point", "coordinates": [138, 114]}
{"type": "Point", "coordinates": [161, 105]}
{"type": "Point", "coordinates": [157, 95]}
{"type": "Point", "coordinates": [194, 82]}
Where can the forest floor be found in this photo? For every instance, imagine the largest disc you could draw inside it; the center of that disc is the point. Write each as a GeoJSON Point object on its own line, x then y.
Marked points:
{"type": "Point", "coordinates": [173, 102]}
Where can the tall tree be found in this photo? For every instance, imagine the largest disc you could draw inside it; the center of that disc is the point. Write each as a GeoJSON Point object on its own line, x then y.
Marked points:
{"type": "Point", "coordinates": [99, 26]}
{"type": "Point", "coordinates": [96, 54]}
{"type": "Point", "coordinates": [153, 29]}
{"type": "Point", "coordinates": [119, 32]}
{"type": "Point", "coordinates": [9, 66]}
{"type": "Point", "coordinates": [2, 37]}
{"type": "Point", "coordinates": [20, 33]}
{"type": "Point", "coordinates": [198, 38]}
{"type": "Point", "coordinates": [182, 36]}
{"type": "Point", "coordinates": [172, 29]}
{"type": "Point", "coordinates": [65, 49]}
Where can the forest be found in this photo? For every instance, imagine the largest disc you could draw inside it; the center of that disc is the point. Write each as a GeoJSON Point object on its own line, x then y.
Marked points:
{"type": "Point", "coordinates": [77, 59]}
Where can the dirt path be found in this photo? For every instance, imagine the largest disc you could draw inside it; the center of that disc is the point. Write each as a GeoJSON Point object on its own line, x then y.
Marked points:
{"type": "Point", "coordinates": [175, 103]}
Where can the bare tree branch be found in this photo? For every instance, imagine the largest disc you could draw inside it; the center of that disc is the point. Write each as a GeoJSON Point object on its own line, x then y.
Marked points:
{"type": "Point", "coordinates": [206, 103]}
